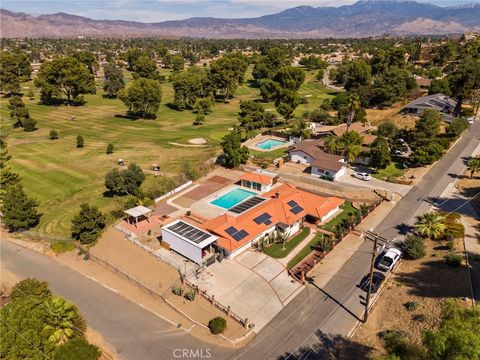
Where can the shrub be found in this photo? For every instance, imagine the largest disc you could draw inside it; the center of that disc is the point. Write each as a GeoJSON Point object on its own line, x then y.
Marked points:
{"type": "Point", "coordinates": [453, 260]}
{"type": "Point", "coordinates": [420, 317]}
{"type": "Point", "coordinates": [217, 325]}
{"type": "Point", "coordinates": [397, 343]}
{"type": "Point", "coordinates": [414, 247]}
{"type": "Point", "coordinates": [411, 305]}
{"type": "Point", "coordinates": [31, 288]}
{"type": "Point", "coordinates": [78, 349]}
{"type": "Point", "coordinates": [178, 290]}
{"type": "Point", "coordinates": [324, 243]}
{"type": "Point", "coordinates": [29, 125]}
{"type": "Point", "coordinates": [80, 141]}
{"type": "Point", "coordinates": [450, 245]}
{"type": "Point", "coordinates": [53, 134]}
{"type": "Point", "coordinates": [190, 295]}
{"type": "Point", "coordinates": [110, 149]}
{"type": "Point", "coordinates": [62, 246]}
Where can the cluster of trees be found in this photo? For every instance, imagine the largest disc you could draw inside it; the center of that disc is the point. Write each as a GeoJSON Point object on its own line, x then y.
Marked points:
{"type": "Point", "coordinates": [14, 69]}
{"type": "Point", "coordinates": [380, 149]}
{"type": "Point", "coordinates": [38, 325]}
{"type": "Point", "coordinates": [428, 146]}
{"type": "Point", "coordinates": [252, 115]}
{"type": "Point", "coordinates": [19, 210]}
{"type": "Point", "coordinates": [125, 182]}
{"type": "Point", "coordinates": [67, 76]}
{"type": "Point", "coordinates": [381, 81]}
{"type": "Point", "coordinates": [279, 81]}
{"type": "Point", "coordinates": [347, 145]}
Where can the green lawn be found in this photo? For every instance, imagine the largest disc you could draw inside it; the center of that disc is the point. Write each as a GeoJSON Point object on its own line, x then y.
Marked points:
{"type": "Point", "coordinates": [61, 177]}
{"type": "Point", "coordinates": [347, 209]}
{"type": "Point", "coordinates": [269, 155]}
{"type": "Point", "coordinates": [392, 171]}
{"type": "Point", "coordinates": [276, 251]}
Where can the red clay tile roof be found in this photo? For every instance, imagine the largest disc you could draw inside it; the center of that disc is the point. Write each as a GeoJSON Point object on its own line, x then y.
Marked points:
{"type": "Point", "coordinates": [258, 178]}
{"type": "Point", "coordinates": [279, 210]}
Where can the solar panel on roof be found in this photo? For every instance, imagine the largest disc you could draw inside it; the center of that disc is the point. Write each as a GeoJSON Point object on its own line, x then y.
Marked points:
{"type": "Point", "coordinates": [189, 232]}
{"type": "Point", "coordinates": [240, 235]}
{"type": "Point", "coordinates": [262, 218]}
{"type": "Point", "coordinates": [268, 222]}
{"type": "Point", "coordinates": [296, 210]}
{"type": "Point", "coordinates": [292, 203]}
{"type": "Point", "coordinates": [231, 230]}
{"type": "Point", "coordinates": [247, 204]}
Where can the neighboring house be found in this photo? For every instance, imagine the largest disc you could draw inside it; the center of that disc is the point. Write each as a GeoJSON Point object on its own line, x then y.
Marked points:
{"type": "Point", "coordinates": [438, 102]}
{"type": "Point", "coordinates": [282, 209]}
{"type": "Point", "coordinates": [323, 165]}
{"type": "Point", "coordinates": [258, 181]}
{"type": "Point", "coordinates": [423, 83]}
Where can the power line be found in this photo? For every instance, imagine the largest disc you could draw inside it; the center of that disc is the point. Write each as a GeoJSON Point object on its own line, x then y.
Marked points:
{"type": "Point", "coordinates": [23, 337]}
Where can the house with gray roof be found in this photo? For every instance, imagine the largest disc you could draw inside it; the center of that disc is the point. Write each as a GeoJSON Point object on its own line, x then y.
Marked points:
{"type": "Point", "coordinates": [439, 102]}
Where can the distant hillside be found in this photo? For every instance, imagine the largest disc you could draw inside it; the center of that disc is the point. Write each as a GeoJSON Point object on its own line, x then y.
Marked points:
{"type": "Point", "coordinates": [362, 19]}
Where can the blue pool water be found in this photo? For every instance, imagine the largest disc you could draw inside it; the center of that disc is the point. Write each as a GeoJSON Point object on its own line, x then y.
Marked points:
{"type": "Point", "coordinates": [232, 198]}
{"type": "Point", "coordinates": [270, 143]}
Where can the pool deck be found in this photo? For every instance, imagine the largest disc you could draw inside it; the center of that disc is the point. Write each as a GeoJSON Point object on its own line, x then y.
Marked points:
{"type": "Point", "coordinates": [252, 143]}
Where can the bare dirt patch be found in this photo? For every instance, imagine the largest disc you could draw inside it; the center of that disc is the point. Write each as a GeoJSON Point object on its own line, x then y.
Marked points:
{"type": "Point", "coordinates": [470, 188]}
{"type": "Point", "coordinates": [428, 282]}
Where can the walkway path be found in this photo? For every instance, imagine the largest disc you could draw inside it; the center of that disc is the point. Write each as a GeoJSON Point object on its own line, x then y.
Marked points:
{"type": "Point", "coordinates": [298, 248]}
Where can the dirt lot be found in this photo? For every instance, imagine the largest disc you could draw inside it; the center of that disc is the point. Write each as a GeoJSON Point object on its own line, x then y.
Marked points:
{"type": "Point", "coordinates": [377, 116]}
{"type": "Point", "coordinates": [470, 188]}
{"type": "Point", "coordinates": [428, 282]}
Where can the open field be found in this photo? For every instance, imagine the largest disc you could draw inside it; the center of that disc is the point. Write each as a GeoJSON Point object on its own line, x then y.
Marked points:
{"type": "Point", "coordinates": [62, 177]}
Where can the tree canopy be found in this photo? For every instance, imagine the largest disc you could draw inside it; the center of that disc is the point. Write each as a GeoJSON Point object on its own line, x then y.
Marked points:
{"type": "Point", "coordinates": [64, 76]}
{"type": "Point", "coordinates": [235, 153]}
{"type": "Point", "coordinates": [114, 81]}
{"type": "Point", "coordinates": [125, 182]}
{"type": "Point", "coordinates": [87, 225]}
{"type": "Point", "coordinates": [14, 69]}
{"type": "Point", "coordinates": [142, 98]}
{"type": "Point", "coordinates": [19, 210]}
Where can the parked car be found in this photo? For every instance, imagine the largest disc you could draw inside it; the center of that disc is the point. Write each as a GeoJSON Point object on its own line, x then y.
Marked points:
{"type": "Point", "coordinates": [377, 280]}
{"type": "Point", "coordinates": [398, 152]}
{"type": "Point", "coordinates": [389, 259]}
{"type": "Point", "coordinates": [362, 176]}
{"type": "Point", "coordinates": [471, 120]}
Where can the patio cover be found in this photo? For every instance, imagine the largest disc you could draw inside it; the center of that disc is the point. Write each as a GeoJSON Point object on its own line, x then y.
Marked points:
{"type": "Point", "coordinates": [138, 211]}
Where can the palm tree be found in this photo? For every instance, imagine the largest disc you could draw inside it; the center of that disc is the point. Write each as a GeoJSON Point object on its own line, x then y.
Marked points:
{"type": "Point", "coordinates": [430, 224]}
{"type": "Point", "coordinates": [353, 106]}
{"type": "Point", "coordinates": [330, 145]}
{"type": "Point", "coordinates": [65, 321]}
{"type": "Point", "coordinates": [301, 129]}
{"type": "Point", "coordinates": [473, 165]}
{"type": "Point", "coordinates": [350, 143]}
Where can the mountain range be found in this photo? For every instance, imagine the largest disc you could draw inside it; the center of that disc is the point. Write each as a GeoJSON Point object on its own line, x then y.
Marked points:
{"type": "Point", "coordinates": [362, 19]}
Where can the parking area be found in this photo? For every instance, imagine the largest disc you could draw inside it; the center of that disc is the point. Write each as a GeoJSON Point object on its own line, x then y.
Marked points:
{"type": "Point", "coordinates": [253, 284]}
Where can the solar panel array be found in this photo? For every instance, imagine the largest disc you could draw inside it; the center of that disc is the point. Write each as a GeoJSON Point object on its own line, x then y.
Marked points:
{"type": "Point", "coordinates": [294, 207]}
{"type": "Point", "coordinates": [189, 232]}
{"type": "Point", "coordinates": [247, 204]}
{"type": "Point", "coordinates": [236, 234]}
{"type": "Point", "coordinates": [263, 219]}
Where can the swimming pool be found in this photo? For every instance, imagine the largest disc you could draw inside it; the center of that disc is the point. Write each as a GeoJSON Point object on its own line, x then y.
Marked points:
{"type": "Point", "coordinates": [270, 143]}
{"type": "Point", "coordinates": [232, 198]}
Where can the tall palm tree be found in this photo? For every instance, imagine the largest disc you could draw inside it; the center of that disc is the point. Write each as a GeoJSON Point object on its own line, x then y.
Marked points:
{"type": "Point", "coordinates": [473, 165]}
{"type": "Point", "coordinates": [350, 143]}
{"type": "Point", "coordinates": [430, 224]}
{"type": "Point", "coordinates": [353, 106]}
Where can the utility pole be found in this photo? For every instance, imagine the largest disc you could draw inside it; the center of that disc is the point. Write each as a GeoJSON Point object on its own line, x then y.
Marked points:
{"type": "Point", "coordinates": [374, 253]}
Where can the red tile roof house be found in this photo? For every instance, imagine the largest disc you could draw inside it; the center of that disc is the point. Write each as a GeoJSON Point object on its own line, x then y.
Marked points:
{"type": "Point", "coordinates": [258, 181]}
{"type": "Point", "coordinates": [323, 165]}
{"type": "Point", "coordinates": [282, 209]}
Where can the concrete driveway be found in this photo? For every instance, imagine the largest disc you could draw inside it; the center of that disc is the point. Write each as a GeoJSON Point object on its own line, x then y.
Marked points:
{"type": "Point", "coordinates": [253, 284]}
{"type": "Point", "coordinates": [373, 183]}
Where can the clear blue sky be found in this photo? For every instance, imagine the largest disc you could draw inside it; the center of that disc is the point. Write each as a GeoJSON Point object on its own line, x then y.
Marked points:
{"type": "Point", "coordinates": [160, 10]}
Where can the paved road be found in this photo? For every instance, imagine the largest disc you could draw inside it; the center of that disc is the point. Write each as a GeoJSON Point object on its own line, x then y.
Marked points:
{"type": "Point", "coordinates": [133, 331]}
{"type": "Point", "coordinates": [326, 80]}
{"type": "Point", "coordinates": [139, 335]}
